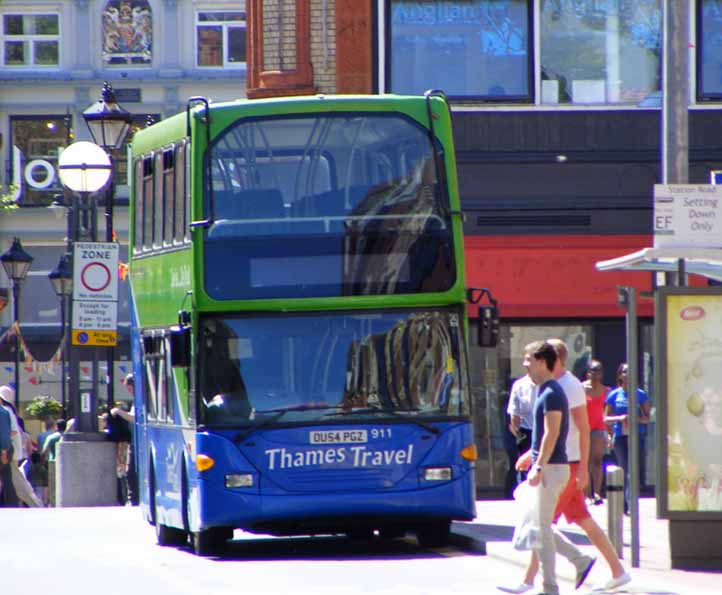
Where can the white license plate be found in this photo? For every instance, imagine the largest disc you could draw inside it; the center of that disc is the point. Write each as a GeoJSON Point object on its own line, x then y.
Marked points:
{"type": "Point", "coordinates": [338, 436]}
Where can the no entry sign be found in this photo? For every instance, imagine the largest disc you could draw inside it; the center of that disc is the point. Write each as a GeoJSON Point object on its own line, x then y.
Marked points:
{"type": "Point", "coordinates": [95, 294]}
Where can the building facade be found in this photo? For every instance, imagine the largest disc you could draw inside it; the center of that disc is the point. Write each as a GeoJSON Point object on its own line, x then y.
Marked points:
{"type": "Point", "coordinates": [54, 57]}
{"type": "Point", "coordinates": [557, 117]}
{"type": "Point", "coordinates": [557, 114]}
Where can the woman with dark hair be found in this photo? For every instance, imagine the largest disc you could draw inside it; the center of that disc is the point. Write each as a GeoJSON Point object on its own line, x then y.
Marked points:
{"type": "Point", "coordinates": [596, 398]}
{"type": "Point", "coordinates": [616, 412]}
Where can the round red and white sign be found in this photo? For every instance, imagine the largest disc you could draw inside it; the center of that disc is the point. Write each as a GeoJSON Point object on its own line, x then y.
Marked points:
{"type": "Point", "coordinates": [95, 276]}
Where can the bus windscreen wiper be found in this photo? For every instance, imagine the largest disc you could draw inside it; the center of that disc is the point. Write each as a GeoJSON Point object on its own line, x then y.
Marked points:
{"type": "Point", "coordinates": [391, 413]}
{"type": "Point", "coordinates": [278, 414]}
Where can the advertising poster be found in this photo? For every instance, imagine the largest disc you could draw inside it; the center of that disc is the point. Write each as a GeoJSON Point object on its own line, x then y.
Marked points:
{"type": "Point", "coordinates": [693, 376]}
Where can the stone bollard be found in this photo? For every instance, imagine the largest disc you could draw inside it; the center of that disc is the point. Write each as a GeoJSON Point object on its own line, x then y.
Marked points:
{"type": "Point", "coordinates": [85, 471]}
{"type": "Point", "coordinates": [615, 508]}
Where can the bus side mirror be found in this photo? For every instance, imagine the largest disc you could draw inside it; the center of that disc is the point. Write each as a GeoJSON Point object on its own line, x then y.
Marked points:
{"type": "Point", "coordinates": [488, 335]}
{"type": "Point", "coordinates": [180, 346]}
{"type": "Point", "coordinates": [488, 321]}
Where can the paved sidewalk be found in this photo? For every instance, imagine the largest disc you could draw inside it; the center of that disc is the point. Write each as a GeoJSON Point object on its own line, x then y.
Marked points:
{"type": "Point", "coordinates": [495, 525]}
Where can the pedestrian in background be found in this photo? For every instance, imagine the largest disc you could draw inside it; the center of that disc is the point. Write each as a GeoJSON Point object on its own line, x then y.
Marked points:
{"type": "Point", "coordinates": [47, 450]}
{"type": "Point", "coordinates": [131, 484]}
{"type": "Point", "coordinates": [23, 489]}
{"type": "Point", "coordinates": [598, 433]}
{"type": "Point", "coordinates": [51, 427]}
{"type": "Point", "coordinates": [521, 419]}
{"type": "Point", "coordinates": [36, 472]}
{"type": "Point", "coordinates": [7, 491]}
{"type": "Point", "coordinates": [616, 412]}
{"type": "Point", "coordinates": [26, 441]}
{"type": "Point", "coordinates": [118, 431]}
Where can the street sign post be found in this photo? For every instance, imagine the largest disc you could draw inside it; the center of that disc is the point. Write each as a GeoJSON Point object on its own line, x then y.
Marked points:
{"type": "Point", "coordinates": [687, 216]}
{"type": "Point", "coordinates": [95, 294]}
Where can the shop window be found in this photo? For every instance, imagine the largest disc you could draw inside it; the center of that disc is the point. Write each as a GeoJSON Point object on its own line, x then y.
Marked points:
{"type": "Point", "coordinates": [221, 39]}
{"type": "Point", "coordinates": [596, 52]}
{"type": "Point", "coordinates": [709, 50]}
{"type": "Point", "coordinates": [30, 40]}
{"type": "Point", "coordinates": [478, 48]}
{"type": "Point", "coordinates": [578, 339]}
{"type": "Point", "coordinates": [127, 33]}
{"type": "Point", "coordinates": [36, 141]}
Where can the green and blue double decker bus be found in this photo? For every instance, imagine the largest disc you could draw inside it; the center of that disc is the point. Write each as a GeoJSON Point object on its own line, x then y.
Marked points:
{"type": "Point", "coordinates": [299, 320]}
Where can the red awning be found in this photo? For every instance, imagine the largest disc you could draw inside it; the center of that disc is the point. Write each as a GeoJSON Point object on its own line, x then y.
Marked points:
{"type": "Point", "coordinates": [554, 276]}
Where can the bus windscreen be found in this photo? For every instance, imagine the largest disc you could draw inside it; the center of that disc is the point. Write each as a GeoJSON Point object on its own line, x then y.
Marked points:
{"type": "Point", "coordinates": [329, 367]}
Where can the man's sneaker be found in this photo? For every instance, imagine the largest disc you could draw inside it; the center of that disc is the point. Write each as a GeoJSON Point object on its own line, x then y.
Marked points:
{"type": "Point", "coordinates": [614, 583]}
{"type": "Point", "coordinates": [520, 588]}
{"type": "Point", "coordinates": [583, 570]}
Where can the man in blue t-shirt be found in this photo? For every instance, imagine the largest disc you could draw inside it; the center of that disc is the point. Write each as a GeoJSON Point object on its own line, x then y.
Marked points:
{"type": "Point", "coordinates": [549, 472]}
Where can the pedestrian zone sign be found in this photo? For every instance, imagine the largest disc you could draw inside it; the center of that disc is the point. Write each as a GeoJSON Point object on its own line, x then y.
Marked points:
{"type": "Point", "coordinates": [95, 294]}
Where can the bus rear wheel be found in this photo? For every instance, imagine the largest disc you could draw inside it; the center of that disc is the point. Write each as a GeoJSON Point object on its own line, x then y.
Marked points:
{"type": "Point", "coordinates": [170, 536]}
{"type": "Point", "coordinates": [434, 534]}
{"type": "Point", "coordinates": [165, 535]}
{"type": "Point", "coordinates": [207, 542]}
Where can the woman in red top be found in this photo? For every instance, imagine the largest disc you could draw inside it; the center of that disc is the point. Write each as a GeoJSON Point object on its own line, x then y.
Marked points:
{"type": "Point", "coordinates": [596, 395]}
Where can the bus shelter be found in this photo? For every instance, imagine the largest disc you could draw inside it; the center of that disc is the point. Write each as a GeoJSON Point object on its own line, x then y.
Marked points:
{"type": "Point", "coordinates": [688, 377]}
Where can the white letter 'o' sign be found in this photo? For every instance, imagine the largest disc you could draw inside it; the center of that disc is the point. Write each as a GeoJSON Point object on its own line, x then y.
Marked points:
{"type": "Point", "coordinates": [39, 164]}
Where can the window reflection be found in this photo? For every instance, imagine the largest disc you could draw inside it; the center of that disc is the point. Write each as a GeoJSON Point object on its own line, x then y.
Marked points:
{"type": "Point", "coordinates": [710, 49]}
{"type": "Point", "coordinates": [221, 39]}
{"type": "Point", "coordinates": [600, 52]}
{"type": "Point", "coordinates": [29, 40]}
{"type": "Point", "coordinates": [476, 48]}
{"type": "Point", "coordinates": [332, 364]}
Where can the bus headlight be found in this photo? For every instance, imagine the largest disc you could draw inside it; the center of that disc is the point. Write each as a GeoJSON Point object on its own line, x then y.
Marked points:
{"type": "Point", "coordinates": [437, 473]}
{"type": "Point", "coordinates": [239, 480]}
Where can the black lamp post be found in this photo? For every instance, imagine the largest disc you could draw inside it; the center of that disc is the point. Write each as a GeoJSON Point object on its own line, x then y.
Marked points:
{"type": "Point", "coordinates": [16, 263]}
{"type": "Point", "coordinates": [107, 121]}
{"type": "Point", "coordinates": [84, 168]}
{"type": "Point", "coordinates": [109, 125]}
{"type": "Point", "coordinates": [61, 278]}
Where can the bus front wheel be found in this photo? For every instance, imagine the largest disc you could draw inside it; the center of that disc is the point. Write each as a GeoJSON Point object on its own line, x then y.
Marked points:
{"type": "Point", "coordinates": [209, 541]}
{"type": "Point", "coordinates": [434, 534]}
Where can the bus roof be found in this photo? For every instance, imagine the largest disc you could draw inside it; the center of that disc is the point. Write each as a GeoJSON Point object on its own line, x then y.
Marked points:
{"type": "Point", "coordinates": [174, 127]}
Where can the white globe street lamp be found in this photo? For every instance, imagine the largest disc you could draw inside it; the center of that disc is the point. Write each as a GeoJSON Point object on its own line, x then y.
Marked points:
{"type": "Point", "coordinates": [84, 167]}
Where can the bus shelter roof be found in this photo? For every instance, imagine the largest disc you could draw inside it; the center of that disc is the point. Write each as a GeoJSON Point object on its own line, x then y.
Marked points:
{"type": "Point", "coordinates": [700, 261]}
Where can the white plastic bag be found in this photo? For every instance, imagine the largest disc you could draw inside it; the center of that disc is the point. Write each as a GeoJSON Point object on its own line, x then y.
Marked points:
{"type": "Point", "coordinates": [526, 533]}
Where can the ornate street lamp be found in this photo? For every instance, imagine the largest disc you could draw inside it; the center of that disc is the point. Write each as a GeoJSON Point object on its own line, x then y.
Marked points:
{"type": "Point", "coordinates": [61, 278]}
{"type": "Point", "coordinates": [109, 124]}
{"type": "Point", "coordinates": [16, 263]}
